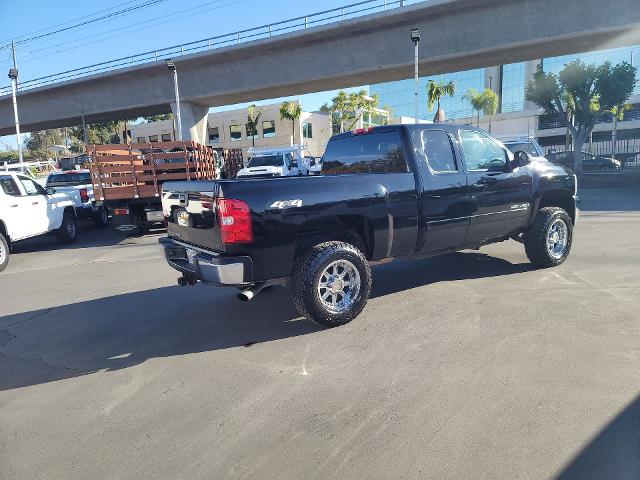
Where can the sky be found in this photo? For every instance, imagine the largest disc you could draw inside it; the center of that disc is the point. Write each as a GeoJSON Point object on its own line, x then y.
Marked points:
{"type": "Point", "coordinates": [159, 24]}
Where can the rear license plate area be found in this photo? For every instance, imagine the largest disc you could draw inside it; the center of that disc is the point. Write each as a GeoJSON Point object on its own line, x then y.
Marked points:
{"type": "Point", "coordinates": [176, 253]}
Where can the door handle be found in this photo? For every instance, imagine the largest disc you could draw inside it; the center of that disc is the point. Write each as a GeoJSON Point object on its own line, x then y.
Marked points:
{"type": "Point", "coordinates": [487, 181]}
{"type": "Point", "coordinates": [34, 203]}
{"type": "Point", "coordinates": [13, 205]}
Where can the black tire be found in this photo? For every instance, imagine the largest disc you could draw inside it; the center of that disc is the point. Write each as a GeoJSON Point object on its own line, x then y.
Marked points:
{"type": "Point", "coordinates": [5, 251]}
{"type": "Point", "coordinates": [306, 278]}
{"type": "Point", "coordinates": [101, 218]}
{"type": "Point", "coordinates": [535, 239]}
{"type": "Point", "coordinates": [68, 231]}
{"type": "Point", "coordinates": [177, 212]}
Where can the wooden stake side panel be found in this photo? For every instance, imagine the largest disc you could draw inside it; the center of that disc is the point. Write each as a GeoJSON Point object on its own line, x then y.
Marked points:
{"type": "Point", "coordinates": [137, 170]}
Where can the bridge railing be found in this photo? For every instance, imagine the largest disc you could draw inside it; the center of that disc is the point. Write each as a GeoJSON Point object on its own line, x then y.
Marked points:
{"type": "Point", "coordinates": [324, 17]}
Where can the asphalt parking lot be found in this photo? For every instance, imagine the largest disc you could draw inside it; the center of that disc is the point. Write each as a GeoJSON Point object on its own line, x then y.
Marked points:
{"type": "Point", "coordinates": [472, 365]}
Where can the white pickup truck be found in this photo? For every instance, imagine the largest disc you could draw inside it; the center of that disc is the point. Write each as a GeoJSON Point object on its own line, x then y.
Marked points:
{"type": "Point", "coordinates": [275, 162]}
{"type": "Point", "coordinates": [28, 210]}
{"type": "Point", "coordinates": [76, 184]}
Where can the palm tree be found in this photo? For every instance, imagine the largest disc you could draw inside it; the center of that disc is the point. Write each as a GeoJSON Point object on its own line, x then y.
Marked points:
{"type": "Point", "coordinates": [253, 118]}
{"type": "Point", "coordinates": [435, 91]}
{"type": "Point", "coordinates": [290, 110]}
{"type": "Point", "coordinates": [617, 113]}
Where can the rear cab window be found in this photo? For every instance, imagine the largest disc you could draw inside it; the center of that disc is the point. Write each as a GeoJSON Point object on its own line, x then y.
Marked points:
{"type": "Point", "coordinates": [68, 179]}
{"type": "Point", "coordinates": [377, 152]}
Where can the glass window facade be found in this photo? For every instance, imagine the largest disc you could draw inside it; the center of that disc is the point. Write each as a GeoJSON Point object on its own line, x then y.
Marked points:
{"type": "Point", "coordinates": [513, 82]}
{"type": "Point", "coordinates": [400, 95]}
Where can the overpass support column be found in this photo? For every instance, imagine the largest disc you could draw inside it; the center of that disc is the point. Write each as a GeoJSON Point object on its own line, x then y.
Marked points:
{"type": "Point", "coordinates": [193, 120]}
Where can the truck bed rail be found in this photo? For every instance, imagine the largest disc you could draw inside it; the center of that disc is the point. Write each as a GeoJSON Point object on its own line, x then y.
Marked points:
{"type": "Point", "coordinates": [138, 170]}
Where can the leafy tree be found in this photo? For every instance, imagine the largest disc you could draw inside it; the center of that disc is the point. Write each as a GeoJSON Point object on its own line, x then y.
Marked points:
{"type": "Point", "coordinates": [290, 110]}
{"type": "Point", "coordinates": [476, 99]}
{"type": "Point", "coordinates": [435, 91]}
{"type": "Point", "coordinates": [347, 109]}
{"type": "Point", "coordinates": [579, 94]}
{"type": "Point", "coordinates": [361, 103]}
{"type": "Point", "coordinates": [491, 102]}
{"type": "Point", "coordinates": [617, 113]}
{"type": "Point", "coordinates": [253, 119]}
{"type": "Point", "coordinates": [39, 142]}
{"type": "Point", "coordinates": [486, 102]}
{"type": "Point", "coordinates": [157, 118]}
{"type": "Point", "coordinates": [9, 156]}
{"type": "Point", "coordinates": [340, 110]}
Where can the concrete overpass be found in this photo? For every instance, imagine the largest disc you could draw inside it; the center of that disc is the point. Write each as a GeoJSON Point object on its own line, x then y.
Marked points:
{"type": "Point", "coordinates": [456, 35]}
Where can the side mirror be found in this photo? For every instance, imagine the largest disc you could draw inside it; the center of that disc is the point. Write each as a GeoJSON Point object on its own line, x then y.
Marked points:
{"type": "Point", "coordinates": [51, 190]}
{"type": "Point", "coordinates": [521, 159]}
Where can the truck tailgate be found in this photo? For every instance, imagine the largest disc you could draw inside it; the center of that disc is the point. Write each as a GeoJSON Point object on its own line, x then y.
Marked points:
{"type": "Point", "coordinates": [190, 212]}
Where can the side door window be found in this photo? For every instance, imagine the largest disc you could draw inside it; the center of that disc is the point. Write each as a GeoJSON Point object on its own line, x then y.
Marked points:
{"type": "Point", "coordinates": [439, 151]}
{"type": "Point", "coordinates": [481, 153]}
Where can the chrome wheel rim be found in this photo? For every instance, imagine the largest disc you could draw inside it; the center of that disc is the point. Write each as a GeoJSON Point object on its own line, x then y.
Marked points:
{"type": "Point", "coordinates": [71, 228]}
{"type": "Point", "coordinates": [3, 253]}
{"type": "Point", "coordinates": [557, 238]}
{"type": "Point", "coordinates": [339, 286]}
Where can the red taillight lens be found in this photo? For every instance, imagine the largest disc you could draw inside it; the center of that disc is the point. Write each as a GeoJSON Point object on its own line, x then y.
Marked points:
{"type": "Point", "coordinates": [121, 211]}
{"type": "Point", "coordinates": [362, 131]}
{"type": "Point", "coordinates": [84, 195]}
{"type": "Point", "coordinates": [234, 218]}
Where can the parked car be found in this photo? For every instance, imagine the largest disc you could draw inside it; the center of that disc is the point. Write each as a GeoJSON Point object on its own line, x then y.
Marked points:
{"type": "Point", "coordinates": [590, 163]}
{"type": "Point", "coordinates": [529, 145]}
{"type": "Point", "coordinates": [28, 210]}
{"type": "Point", "coordinates": [633, 161]}
{"type": "Point", "coordinates": [76, 184]}
{"type": "Point", "coordinates": [386, 192]}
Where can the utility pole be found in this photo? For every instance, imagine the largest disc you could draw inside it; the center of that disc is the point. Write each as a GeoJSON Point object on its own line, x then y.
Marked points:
{"type": "Point", "coordinates": [415, 38]}
{"type": "Point", "coordinates": [13, 75]}
{"type": "Point", "coordinates": [172, 68]}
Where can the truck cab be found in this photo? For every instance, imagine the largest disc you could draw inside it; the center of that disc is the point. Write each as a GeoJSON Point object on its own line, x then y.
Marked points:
{"type": "Point", "coordinates": [385, 192]}
{"type": "Point", "coordinates": [28, 210]}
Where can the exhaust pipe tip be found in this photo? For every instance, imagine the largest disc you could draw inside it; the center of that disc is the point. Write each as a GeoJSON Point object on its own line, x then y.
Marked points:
{"type": "Point", "coordinates": [245, 296]}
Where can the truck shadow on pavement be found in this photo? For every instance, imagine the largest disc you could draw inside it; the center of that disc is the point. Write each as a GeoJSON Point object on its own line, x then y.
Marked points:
{"type": "Point", "coordinates": [88, 237]}
{"type": "Point", "coordinates": [121, 331]}
{"type": "Point", "coordinates": [613, 453]}
{"type": "Point", "coordinates": [406, 274]}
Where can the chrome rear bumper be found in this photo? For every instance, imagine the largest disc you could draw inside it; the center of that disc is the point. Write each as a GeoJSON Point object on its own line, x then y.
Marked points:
{"type": "Point", "coordinates": [206, 266]}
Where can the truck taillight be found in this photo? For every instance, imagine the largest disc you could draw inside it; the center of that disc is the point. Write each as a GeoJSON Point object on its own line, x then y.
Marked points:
{"type": "Point", "coordinates": [84, 195]}
{"type": "Point", "coordinates": [234, 218]}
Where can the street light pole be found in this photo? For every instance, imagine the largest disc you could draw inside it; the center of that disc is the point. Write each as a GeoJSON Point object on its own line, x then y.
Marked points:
{"type": "Point", "coordinates": [415, 38]}
{"type": "Point", "coordinates": [172, 67]}
{"type": "Point", "coordinates": [13, 75]}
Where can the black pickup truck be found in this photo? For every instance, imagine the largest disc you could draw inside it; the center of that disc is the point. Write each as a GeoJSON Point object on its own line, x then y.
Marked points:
{"type": "Point", "coordinates": [385, 192]}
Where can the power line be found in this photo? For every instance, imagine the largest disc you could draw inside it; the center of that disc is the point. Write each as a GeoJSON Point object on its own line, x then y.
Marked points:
{"type": "Point", "coordinates": [135, 27]}
{"type": "Point", "coordinates": [35, 32]}
{"type": "Point", "coordinates": [111, 15]}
